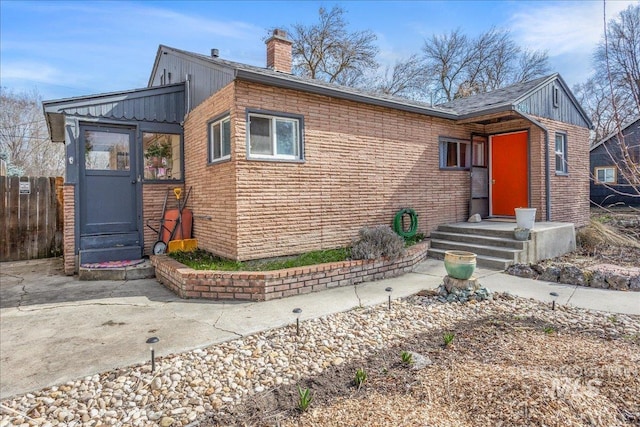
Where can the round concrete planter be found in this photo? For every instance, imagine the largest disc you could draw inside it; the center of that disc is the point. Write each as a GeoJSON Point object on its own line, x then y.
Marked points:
{"type": "Point", "coordinates": [460, 264]}
{"type": "Point", "coordinates": [521, 233]}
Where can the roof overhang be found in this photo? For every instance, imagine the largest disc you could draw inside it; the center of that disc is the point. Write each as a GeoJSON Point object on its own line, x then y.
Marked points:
{"type": "Point", "coordinates": [55, 126]}
{"type": "Point", "coordinates": [55, 111]}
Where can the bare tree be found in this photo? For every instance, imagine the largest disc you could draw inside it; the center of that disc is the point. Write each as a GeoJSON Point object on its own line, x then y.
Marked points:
{"type": "Point", "coordinates": [617, 83]}
{"type": "Point", "coordinates": [618, 55]}
{"type": "Point", "coordinates": [407, 78]}
{"type": "Point", "coordinates": [328, 51]}
{"type": "Point", "coordinates": [462, 66]}
{"type": "Point", "coordinates": [24, 140]}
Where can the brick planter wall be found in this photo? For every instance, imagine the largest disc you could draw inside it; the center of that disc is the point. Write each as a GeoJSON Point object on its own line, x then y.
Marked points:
{"type": "Point", "coordinates": [266, 285]}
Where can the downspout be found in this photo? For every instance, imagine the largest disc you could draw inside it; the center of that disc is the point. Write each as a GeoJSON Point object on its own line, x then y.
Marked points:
{"type": "Point", "coordinates": [547, 170]}
{"type": "Point", "coordinates": [187, 93]}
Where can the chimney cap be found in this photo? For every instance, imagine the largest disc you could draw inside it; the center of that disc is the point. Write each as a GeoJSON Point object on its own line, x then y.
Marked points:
{"type": "Point", "coordinates": [215, 53]}
{"type": "Point", "coordinates": [279, 34]}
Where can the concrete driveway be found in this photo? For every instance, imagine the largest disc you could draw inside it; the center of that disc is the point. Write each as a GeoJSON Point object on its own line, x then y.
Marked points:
{"type": "Point", "coordinates": [55, 328]}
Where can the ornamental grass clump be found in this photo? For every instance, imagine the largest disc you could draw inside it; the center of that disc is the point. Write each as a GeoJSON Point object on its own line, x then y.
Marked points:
{"type": "Point", "coordinates": [377, 242]}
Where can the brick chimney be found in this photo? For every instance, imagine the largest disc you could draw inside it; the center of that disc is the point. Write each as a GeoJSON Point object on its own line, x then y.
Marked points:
{"type": "Point", "coordinates": [279, 52]}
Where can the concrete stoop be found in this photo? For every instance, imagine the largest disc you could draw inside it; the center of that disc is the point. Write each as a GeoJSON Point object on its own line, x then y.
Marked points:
{"type": "Point", "coordinates": [495, 245]}
{"type": "Point", "coordinates": [144, 270]}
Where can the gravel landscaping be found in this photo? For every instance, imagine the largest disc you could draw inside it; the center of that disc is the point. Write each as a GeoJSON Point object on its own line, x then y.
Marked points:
{"type": "Point", "coordinates": [587, 372]}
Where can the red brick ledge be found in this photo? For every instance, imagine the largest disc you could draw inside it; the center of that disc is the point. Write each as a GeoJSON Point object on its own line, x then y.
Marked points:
{"type": "Point", "coordinates": [266, 285]}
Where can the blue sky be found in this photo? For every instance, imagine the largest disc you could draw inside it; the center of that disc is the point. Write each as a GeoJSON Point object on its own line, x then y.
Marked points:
{"type": "Point", "coordinates": [66, 49]}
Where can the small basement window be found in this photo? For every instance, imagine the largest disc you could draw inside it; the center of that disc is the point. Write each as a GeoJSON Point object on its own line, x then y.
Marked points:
{"type": "Point", "coordinates": [274, 137]}
{"type": "Point", "coordinates": [162, 156]}
{"type": "Point", "coordinates": [605, 175]}
{"type": "Point", "coordinates": [454, 153]}
{"type": "Point", "coordinates": [220, 139]}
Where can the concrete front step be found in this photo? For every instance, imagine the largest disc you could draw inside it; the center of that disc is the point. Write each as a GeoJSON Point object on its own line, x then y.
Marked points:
{"type": "Point", "coordinates": [492, 251]}
{"type": "Point", "coordinates": [485, 261]}
{"type": "Point", "coordinates": [476, 239]}
{"type": "Point", "coordinates": [478, 231]}
{"type": "Point", "coordinates": [133, 272]}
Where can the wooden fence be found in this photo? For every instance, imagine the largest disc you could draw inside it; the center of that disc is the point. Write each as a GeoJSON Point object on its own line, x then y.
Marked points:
{"type": "Point", "coordinates": [31, 218]}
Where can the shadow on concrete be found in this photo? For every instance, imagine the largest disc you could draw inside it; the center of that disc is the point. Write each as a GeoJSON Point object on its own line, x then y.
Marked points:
{"type": "Point", "coordinates": [37, 282]}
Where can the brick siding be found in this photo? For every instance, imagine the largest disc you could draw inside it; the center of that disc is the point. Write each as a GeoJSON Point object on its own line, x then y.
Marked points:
{"type": "Point", "coordinates": [69, 240]}
{"type": "Point", "coordinates": [267, 285]}
{"type": "Point", "coordinates": [362, 163]}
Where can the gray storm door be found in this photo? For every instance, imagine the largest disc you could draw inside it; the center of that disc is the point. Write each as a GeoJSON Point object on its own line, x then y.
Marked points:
{"type": "Point", "coordinates": [108, 196]}
{"type": "Point", "coordinates": [479, 203]}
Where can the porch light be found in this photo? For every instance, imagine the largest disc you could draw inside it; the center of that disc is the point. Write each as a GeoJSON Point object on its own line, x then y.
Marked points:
{"type": "Point", "coordinates": [389, 289]}
{"type": "Point", "coordinates": [297, 312]}
{"type": "Point", "coordinates": [152, 341]}
{"type": "Point", "coordinates": [554, 295]}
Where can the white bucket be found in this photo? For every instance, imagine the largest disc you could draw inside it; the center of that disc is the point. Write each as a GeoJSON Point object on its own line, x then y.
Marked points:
{"type": "Point", "coordinates": [525, 217]}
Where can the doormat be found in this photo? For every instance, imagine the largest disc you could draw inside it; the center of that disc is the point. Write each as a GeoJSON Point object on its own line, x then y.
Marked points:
{"type": "Point", "coordinates": [113, 264]}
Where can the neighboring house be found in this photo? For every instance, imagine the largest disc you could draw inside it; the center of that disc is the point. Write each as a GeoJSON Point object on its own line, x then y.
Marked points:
{"type": "Point", "coordinates": [280, 164]}
{"type": "Point", "coordinates": [615, 168]}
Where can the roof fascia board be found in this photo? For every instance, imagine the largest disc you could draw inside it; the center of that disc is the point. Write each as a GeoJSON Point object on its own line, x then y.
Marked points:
{"type": "Point", "coordinates": [57, 105]}
{"type": "Point", "coordinates": [156, 62]}
{"type": "Point", "coordinates": [535, 88]}
{"type": "Point", "coordinates": [321, 90]}
{"type": "Point", "coordinates": [495, 109]}
{"type": "Point", "coordinates": [574, 101]}
{"type": "Point", "coordinates": [613, 134]}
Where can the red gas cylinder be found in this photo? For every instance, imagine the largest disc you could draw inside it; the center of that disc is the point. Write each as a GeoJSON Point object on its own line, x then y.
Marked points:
{"type": "Point", "coordinates": [170, 219]}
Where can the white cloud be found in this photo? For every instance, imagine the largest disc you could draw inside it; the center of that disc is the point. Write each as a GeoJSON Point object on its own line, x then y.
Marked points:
{"type": "Point", "coordinates": [568, 30]}
{"type": "Point", "coordinates": [563, 27]}
{"type": "Point", "coordinates": [36, 72]}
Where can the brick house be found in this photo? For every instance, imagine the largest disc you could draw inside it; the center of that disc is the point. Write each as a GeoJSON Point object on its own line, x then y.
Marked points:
{"type": "Point", "coordinates": [614, 163]}
{"type": "Point", "coordinates": [278, 164]}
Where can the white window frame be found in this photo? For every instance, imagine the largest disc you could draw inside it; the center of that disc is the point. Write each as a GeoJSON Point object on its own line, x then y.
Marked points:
{"type": "Point", "coordinates": [562, 154]}
{"type": "Point", "coordinates": [444, 150]}
{"type": "Point", "coordinates": [604, 169]}
{"type": "Point", "coordinates": [273, 119]}
{"type": "Point", "coordinates": [211, 152]}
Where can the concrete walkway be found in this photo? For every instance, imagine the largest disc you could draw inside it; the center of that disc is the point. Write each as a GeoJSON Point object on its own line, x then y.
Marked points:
{"type": "Point", "coordinates": [54, 328]}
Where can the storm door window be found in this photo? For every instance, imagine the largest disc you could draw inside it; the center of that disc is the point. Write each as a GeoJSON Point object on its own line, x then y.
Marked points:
{"type": "Point", "coordinates": [220, 140]}
{"type": "Point", "coordinates": [455, 154]}
{"type": "Point", "coordinates": [106, 151]}
{"type": "Point", "coordinates": [561, 153]}
{"type": "Point", "coordinates": [606, 175]}
{"type": "Point", "coordinates": [274, 137]}
{"type": "Point", "coordinates": [162, 156]}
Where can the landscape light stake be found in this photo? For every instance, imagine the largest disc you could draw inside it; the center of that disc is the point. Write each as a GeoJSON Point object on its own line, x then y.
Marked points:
{"type": "Point", "coordinates": [553, 303]}
{"type": "Point", "coordinates": [151, 341]}
{"type": "Point", "coordinates": [297, 312]}
{"type": "Point", "coordinates": [389, 289]}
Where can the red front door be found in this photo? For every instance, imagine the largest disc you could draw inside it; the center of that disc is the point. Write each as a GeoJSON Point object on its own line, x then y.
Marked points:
{"type": "Point", "coordinates": [509, 173]}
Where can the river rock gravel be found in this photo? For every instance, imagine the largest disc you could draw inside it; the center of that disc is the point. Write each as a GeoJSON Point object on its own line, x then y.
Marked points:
{"type": "Point", "coordinates": [190, 386]}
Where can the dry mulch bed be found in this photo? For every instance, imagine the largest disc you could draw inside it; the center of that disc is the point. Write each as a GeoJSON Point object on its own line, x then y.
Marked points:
{"type": "Point", "coordinates": [511, 370]}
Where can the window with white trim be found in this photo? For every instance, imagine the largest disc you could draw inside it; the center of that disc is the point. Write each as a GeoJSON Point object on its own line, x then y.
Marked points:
{"type": "Point", "coordinates": [605, 175]}
{"type": "Point", "coordinates": [454, 153]}
{"type": "Point", "coordinates": [561, 153]}
{"type": "Point", "coordinates": [220, 139]}
{"type": "Point", "coordinates": [274, 137]}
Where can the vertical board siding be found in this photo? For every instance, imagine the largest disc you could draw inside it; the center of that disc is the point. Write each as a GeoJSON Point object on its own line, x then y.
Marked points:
{"type": "Point", "coordinates": [31, 224]}
{"type": "Point", "coordinates": [165, 107]}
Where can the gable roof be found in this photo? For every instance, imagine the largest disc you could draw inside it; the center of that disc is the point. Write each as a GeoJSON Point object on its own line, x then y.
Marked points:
{"type": "Point", "coordinates": [495, 99]}
{"type": "Point", "coordinates": [289, 81]}
{"type": "Point", "coordinates": [514, 97]}
{"type": "Point", "coordinates": [615, 133]}
{"type": "Point", "coordinates": [501, 100]}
